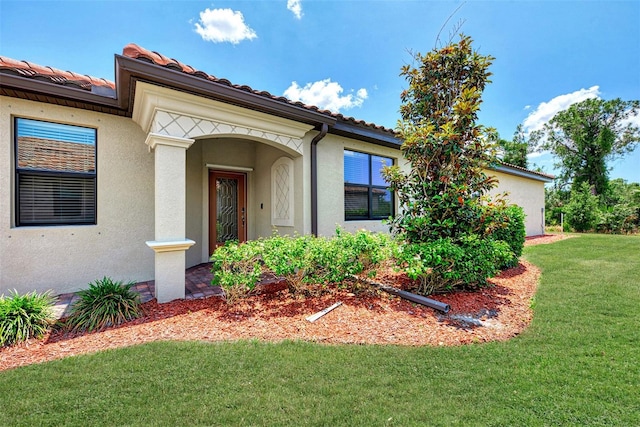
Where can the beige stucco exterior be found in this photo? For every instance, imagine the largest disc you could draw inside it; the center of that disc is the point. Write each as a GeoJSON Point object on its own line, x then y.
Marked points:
{"type": "Point", "coordinates": [525, 192]}
{"type": "Point", "coordinates": [254, 159]}
{"type": "Point", "coordinates": [67, 258]}
{"type": "Point", "coordinates": [153, 190]}
{"type": "Point", "coordinates": [331, 183]}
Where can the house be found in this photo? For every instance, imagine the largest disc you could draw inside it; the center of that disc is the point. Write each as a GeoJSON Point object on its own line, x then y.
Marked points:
{"type": "Point", "coordinates": [143, 177]}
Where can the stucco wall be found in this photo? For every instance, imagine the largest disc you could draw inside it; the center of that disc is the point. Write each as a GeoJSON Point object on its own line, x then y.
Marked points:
{"type": "Point", "coordinates": [331, 183]}
{"type": "Point", "coordinates": [67, 258]}
{"type": "Point", "coordinates": [266, 156]}
{"type": "Point", "coordinates": [526, 193]}
{"type": "Point", "coordinates": [195, 198]}
{"type": "Point", "coordinates": [243, 154]}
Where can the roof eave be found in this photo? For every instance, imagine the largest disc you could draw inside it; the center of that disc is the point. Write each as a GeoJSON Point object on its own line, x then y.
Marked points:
{"type": "Point", "coordinates": [523, 173]}
{"type": "Point", "coordinates": [65, 95]}
{"type": "Point", "coordinates": [129, 70]}
{"type": "Point", "coordinates": [366, 133]}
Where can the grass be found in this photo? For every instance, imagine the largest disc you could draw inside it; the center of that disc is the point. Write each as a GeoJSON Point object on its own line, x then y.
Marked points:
{"type": "Point", "coordinates": [578, 364]}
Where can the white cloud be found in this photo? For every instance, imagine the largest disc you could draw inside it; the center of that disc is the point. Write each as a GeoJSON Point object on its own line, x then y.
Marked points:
{"type": "Point", "coordinates": [295, 6]}
{"type": "Point", "coordinates": [536, 154]}
{"type": "Point", "coordinates": [546, 110]}
{"type": "Point", "coordinates": [223, 25]}
{"type": "Point", "coordinates": [325, 94]}
{"type": "Point", "coordinates": [632, 120]}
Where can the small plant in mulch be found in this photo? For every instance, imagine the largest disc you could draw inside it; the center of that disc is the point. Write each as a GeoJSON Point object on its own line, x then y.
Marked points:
{"type": "Point", "coordinates": [24, 316]}
{"type": "Point", "coordinates": [105, 303]}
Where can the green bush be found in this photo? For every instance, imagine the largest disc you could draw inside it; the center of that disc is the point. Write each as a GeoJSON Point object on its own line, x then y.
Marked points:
{"type": "Point", "coordinates": [582, 209]}
{"type": "Point", "coordinates": [24, 316]}
{"type": "Point", "coordinates": [621, 218]}
{"type": "Point", "coordinates": [510, 229]}
{"type": "Point", "coordinates": [444, 265]}
{"type": "Point", "coordinates": [619, 210]}
{"type": "Point", "coordinates": [300, 260]}
{"type": "Point", "coordinates": [105, 303]}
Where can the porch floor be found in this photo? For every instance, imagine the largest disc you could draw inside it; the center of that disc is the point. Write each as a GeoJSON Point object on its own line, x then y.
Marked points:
{"type": "Point", "coordinates": [197, 285]}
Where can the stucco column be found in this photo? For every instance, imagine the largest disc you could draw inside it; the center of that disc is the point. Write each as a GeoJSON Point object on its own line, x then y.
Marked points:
{"type": "Point", "coordinates": [170, 241]}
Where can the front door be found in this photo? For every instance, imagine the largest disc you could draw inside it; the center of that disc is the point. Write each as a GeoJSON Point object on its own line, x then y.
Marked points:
{"type": "Point", "coordinates": [227, 208]}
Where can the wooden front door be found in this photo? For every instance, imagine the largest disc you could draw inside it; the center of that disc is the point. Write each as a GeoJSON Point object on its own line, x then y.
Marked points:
{"type": "Point", "coordinates": [227, 208]}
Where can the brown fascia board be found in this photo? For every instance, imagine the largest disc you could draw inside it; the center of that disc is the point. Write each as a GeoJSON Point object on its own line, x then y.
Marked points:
{"type": "Point", "coordinates": [63, 95]}
{"type": "Point", "coordinates": [129, 70]}
{"type": "Point", "coordinates": [522, 172]}
{"type": "Point", "coordinates": [375, 136]}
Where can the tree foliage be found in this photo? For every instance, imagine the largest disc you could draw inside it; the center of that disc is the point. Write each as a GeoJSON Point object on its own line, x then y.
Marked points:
{"type": "Point", "coordinates": [446, 220]}
{"type": "Point", "coordinates": [440, 196]}
{"type": "Point", "coordinates": [616, 211]}
{"type": "Point", "coordinates": [586, 136]}
{"type": "Point", "coordinates": [582, 209]}
{"type": "Point", "coordinates": [515, 151]}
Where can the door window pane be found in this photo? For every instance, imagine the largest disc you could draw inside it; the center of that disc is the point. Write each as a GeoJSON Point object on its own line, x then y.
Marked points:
{"type": "Point", "coordinates": [227, 209]}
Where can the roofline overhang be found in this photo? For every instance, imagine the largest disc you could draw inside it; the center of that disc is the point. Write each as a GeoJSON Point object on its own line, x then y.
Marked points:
{"type": "Point", "coordinates": [374, 136]}
{"type": "Point", "coordinates": [64, 95]}
{"type": "Point", "coordinates": [129, 70]}
{"type": "Point", "coordinates": [522, 173]}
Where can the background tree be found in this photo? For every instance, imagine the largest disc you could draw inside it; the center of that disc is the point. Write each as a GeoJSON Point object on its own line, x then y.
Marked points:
{"type": "Point", "coordinates": [582, 209]}
{"type": "Point", "coordinates": [515, 151]}
{"type": "Point", "coordinates": [446, 148]}
{"type": "Point", "coordinates": [586, 136]}
{"type": "Point", "coordinates": [619, 209]}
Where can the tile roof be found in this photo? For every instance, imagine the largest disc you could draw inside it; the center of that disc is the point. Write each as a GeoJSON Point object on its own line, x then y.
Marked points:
{"type": "Point", "coordinates": [520, 168]}
{"type": "Point", "coordinates": [134, 51]}
{"type": "Point", "coordinates": [53, 75]}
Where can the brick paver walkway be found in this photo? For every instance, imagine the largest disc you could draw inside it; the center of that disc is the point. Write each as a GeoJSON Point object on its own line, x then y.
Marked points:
{"type": "Point", "coordinates": [197, 285]}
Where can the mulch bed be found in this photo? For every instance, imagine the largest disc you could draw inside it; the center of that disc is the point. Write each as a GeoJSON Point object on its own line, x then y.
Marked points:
{"type": "Point", "coordinates": [494, 313]}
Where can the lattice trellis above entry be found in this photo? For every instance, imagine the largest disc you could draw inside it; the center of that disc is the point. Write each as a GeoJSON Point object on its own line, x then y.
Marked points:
{"type": "Point", "coordinates": [184, 126]}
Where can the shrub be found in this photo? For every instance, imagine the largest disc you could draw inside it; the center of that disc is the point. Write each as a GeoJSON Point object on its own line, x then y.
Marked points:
{"type": "Point", "coordinates": [621, 218]}
{"type": "Point", "coordinates": [582, 209]}
{"type": "Point", "coordinates": [302, 261]}
{"type": "Point", "coordinates": [510, 229]}
{"type": "Point", "coordinates": [444, 265]}
{"type": "Point", "coordinates": [24, 316]}
{"type": "Point", "coordinates": [445, 147]}
{"type": "Point", "coordinates": [105, 303]}
{"type": "Point", "coordinates": [237, 267]}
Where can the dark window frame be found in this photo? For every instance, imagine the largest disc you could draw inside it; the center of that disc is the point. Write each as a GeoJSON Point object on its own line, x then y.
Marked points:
{"type": "Point", "coordinates": [58, 182]}
{"type": "Point", "coordinates": [369, 187]}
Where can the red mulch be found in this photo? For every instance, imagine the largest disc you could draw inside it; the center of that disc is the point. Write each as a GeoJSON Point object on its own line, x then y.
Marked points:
{"type": "Point", "coordinates": [493, 313]}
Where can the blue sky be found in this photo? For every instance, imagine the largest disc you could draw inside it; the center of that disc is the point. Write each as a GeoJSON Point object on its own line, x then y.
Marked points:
{"type": "Point", "coordinates": [346, 55]}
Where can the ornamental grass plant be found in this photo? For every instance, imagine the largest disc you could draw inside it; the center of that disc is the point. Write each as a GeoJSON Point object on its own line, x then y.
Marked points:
{"type": "Point", "coordinates": [105, 303]}
{"type": "Point", "coordinates": [24, 316]}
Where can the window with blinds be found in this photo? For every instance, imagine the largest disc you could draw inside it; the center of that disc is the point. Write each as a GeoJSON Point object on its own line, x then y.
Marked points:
{"type": "Point", "coordinates": [366, 195]}
{"type": "Point", "coordinates": [55, 173]}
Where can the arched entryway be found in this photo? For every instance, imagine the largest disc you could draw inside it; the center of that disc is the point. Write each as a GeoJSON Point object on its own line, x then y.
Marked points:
{"type": "Point", "coordinates": [174, 121]}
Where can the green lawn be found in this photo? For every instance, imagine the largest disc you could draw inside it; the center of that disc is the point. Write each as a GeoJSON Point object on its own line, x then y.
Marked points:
{"type": "Point", "coordinates": [578, 364]}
